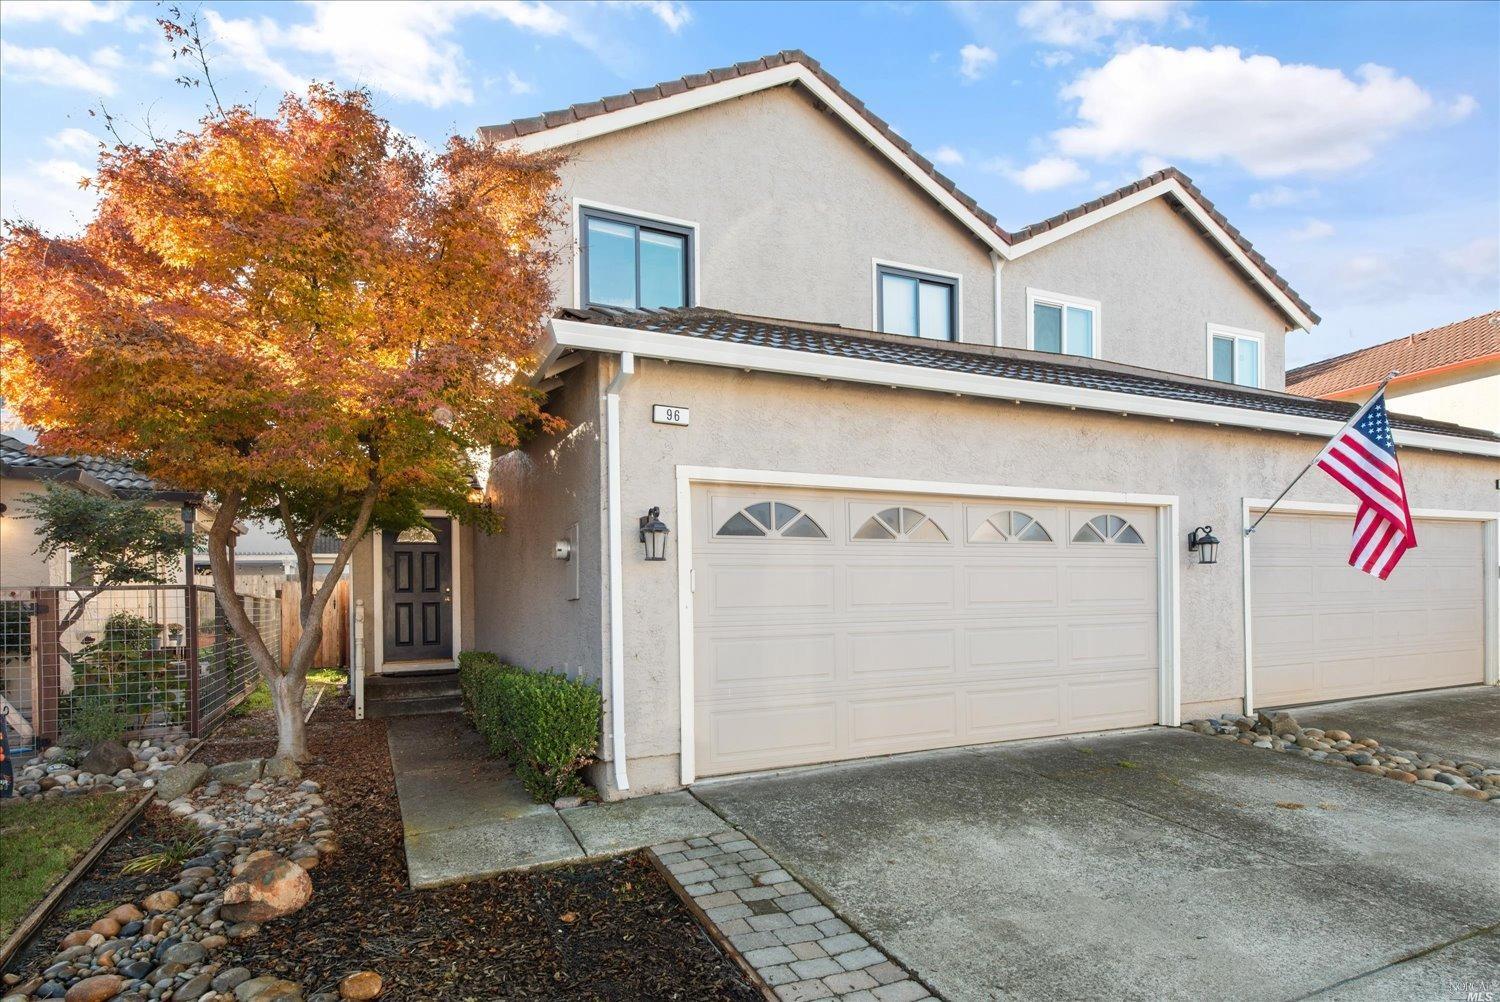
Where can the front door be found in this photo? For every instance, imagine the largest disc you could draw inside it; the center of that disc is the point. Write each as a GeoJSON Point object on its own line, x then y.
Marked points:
{"type": "Point", "coordinates": [419, 592]}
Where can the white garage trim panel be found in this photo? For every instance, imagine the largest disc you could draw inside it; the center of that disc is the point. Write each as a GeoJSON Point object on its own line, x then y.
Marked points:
{"type": "Point", "coordinates": [835, 618]}
{"type": "Point", "coordinates": [1317, 630]}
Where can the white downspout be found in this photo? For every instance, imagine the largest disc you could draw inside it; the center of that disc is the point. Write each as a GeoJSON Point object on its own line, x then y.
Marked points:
{"type": "Point", "coordinates": [612, 516]}
{"type": "Point", "coordinates": [999, 263]}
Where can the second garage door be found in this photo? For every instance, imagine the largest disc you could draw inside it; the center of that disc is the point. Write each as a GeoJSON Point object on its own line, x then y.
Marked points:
{"type": "Point", "coordinates": [1322, 630]}
{"type": "Point", "coordinates": [833, 626]}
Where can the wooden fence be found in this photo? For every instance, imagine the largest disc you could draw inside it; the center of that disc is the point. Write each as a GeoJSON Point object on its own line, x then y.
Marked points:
{"type": "Point", "coordinates": [333, 650]}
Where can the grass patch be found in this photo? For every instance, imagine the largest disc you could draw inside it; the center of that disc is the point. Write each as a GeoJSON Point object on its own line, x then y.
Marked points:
{"type": "Point", "coordinates": [1125, 763]}
{"type": "Point", "coordinates": [327, 676]}
{"type": "Point", "coordinates": [258, 701]}
{"type": "Point", "coordinates": [40, 841]}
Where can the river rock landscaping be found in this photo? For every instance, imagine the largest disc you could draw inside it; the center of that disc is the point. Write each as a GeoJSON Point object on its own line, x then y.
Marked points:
{"type": "Point", "coordinates": [61, 771]}
{"type": "Point", "coordinates": [1280, 732]}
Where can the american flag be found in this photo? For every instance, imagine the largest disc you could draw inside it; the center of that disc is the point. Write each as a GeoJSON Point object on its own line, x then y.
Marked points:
{"type": "Point", "coordinates": [1362, 457]}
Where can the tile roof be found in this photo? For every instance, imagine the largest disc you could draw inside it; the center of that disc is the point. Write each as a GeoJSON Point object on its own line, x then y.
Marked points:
{"type": "Point", "coordinates": [1005, 363]}
{"type": "Point", "coordinates": [644, 95]}
{"type": "Point", "coordinates": [118, 477]}
{"type": "Point", "coordinates": [1466, 341]}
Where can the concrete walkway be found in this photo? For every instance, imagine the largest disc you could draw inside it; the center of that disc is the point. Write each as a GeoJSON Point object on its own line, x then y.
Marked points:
{"type": "Point", "coordinates": [1459, 723]}
{"type": "Point", "coordinates": [466, 815]}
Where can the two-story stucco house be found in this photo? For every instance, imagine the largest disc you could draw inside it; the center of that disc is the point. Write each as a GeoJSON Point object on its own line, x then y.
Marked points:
{"type": "Point", "coordinates": [928, 482]}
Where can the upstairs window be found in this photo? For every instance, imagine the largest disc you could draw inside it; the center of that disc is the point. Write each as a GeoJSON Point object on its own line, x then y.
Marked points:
{"type": "Point", "coordinates": [631, 262]}
{"type": "Point", "coordinates": [1065, 325]}
{"type": "Point", "coordinates": [915, 303]}
{"type": "Point", "coordinates": [1234, 356]}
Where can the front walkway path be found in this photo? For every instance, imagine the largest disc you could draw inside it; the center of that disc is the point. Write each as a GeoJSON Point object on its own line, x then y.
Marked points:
{"type": "Point", "coordinates": [467, 816]}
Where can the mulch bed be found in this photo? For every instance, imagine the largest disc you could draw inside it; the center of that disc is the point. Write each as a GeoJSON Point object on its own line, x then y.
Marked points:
{"type": "Point", "coordinates": [608, 930]}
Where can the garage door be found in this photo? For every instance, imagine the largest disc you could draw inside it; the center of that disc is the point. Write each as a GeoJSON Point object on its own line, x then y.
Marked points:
{"type": "Point", "coordinates": [832, 626]}
{"type": "Point", "coordinates": [1321, 630]}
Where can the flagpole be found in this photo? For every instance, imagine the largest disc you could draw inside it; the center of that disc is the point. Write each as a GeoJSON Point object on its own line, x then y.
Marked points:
{"type": "Point", "coordinates": [1312, 462]}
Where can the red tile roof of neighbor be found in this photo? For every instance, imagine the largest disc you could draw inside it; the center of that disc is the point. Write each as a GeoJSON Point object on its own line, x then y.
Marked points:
{"type": "Point", "coordinates": [589, 109]}
{"type": "Point", "coordinates": [1463, 343]}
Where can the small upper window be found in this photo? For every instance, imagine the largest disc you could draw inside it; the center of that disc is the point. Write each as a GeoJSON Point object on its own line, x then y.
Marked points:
{"type": "Point", "coordinates": [1063, 324]}
{"type": "Point", "coordinates": [1234, 357]}
{"type": "Point", "coordinates": [772, 518]}
{"type": "Point", "coordinates": [901, 523]}
{"type": "Point", "coordinates": [1005, 526]}
{"type": "Point", "coordinates": [1107, 529]}
{"type": "Point", "coordinates": [635, 262]}
{"type": "Point", "coordinates": [916, 304]}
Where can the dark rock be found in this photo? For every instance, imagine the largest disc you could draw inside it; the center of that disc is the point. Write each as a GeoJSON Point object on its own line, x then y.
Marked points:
{"type": "Point", "coordinates": [108, 758]}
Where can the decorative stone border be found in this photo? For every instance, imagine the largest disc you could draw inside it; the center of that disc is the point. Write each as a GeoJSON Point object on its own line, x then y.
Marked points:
{"type": "Point", "coordinates": [1279, 731]}
{"type": "Point", "coordinates": [795, 945]}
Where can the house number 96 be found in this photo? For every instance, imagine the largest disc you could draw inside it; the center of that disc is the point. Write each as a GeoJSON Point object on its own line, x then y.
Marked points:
{"type": "Point", "coordinates": [668, 414]}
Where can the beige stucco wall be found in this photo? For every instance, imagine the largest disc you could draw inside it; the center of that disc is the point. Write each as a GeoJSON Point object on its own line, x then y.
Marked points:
{"type": "Point", "coordinates": [19, 562]}
{"type": "Point", "coordinates": [529, 616]}
{"type": "Point", "coordinates": [1159, 284]}
{"type": "Point", "coordinates": [791, 210]}
{"type": "Point", "coordinates": [768, 422]}
{"type": "Point", "coordinates": [1469, 396]}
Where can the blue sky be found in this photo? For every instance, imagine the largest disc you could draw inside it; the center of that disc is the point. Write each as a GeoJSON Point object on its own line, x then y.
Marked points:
{"type": "Point", "coordinates": [1357, 145]}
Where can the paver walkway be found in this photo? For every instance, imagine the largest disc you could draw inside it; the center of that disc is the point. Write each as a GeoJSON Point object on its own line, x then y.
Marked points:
{"type": "Point", "coordinates": [466, 815]}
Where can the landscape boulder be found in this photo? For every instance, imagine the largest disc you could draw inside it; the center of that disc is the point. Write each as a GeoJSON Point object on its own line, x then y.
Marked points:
{"type": "Point", "coordinates": [269, 887]}
{"type": "Point", "coordinates": [241, 773]}
{"type": "Point", "coordinates": [107, 758]}
{"type": "Point", "coordinates": [180, 780]}
{"type": "Point", "coordinates": [95, 989]}
{"type": "Point", "coordinates": [281, 768]}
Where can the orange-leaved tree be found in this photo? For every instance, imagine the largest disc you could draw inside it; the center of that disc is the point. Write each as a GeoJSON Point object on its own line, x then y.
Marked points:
{"type": "Point", "coordinates": [303, 316]}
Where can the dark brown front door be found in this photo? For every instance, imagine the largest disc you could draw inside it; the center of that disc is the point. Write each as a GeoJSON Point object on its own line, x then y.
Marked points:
{"type": "Point", "coordinates": [419, 592]}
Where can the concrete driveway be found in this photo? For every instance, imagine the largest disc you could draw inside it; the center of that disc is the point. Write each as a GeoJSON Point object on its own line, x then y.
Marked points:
{"type": "Point", "coordinates": [1142, 865]}
{"type": "Point", "coordinates": [1459, 723]}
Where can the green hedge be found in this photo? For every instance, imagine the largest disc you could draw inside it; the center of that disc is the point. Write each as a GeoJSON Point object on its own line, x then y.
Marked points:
{"type": "Point", "coordinates": [544, 723]}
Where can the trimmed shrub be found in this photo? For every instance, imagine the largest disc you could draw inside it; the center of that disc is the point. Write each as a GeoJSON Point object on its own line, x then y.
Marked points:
{"type": "Point", "coordinates": [544, 723]}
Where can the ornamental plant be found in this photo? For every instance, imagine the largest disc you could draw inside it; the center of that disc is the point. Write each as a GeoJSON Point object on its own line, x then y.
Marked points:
{"type": "Point", "coordinates": [302, 315]}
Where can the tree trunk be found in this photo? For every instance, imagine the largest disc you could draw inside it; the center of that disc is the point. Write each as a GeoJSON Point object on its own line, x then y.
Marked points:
{"type": "Point", "coordinates": [286, 699]}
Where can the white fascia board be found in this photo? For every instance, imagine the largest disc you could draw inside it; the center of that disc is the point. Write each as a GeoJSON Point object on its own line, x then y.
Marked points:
{"type": "Point", "coordinates": [678, 348]}
{"type": "Point", "coordinates": [1169, 186]}
{"type": "Point", "coordinates": [725, 90]}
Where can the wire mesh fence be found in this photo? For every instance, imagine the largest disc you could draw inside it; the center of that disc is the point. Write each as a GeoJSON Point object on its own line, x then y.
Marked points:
{"type": "Point", "coordinates": [127, 660]}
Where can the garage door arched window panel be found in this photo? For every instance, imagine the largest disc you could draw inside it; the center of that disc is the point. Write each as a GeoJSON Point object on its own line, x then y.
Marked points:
{"type": "Point", "coordinates": [770, 520]}
{"type": "Point", "coordinates": [1010, 526]}
{"type": "Point", "coordinates": [1108, 529]}
{"type": "Point", "coordinates": [901, 523]}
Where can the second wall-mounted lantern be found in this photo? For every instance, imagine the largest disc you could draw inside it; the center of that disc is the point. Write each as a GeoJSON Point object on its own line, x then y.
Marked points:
{"type": "Point", "coordinates": [654, 535]}
{"type": "Point", "coordinates": [1203, 542]}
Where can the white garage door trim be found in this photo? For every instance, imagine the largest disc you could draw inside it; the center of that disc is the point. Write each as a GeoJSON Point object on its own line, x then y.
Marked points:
{"type": "Point", "coordinates": [1252, 507]}
{"type": "Point", "coordinates": [1168, 604]}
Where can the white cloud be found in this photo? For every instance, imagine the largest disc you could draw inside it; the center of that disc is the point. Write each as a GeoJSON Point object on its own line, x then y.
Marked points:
{"type": "Point", "coordinates": [672, 15]}
{"type": "Point", "coordinates": [1313, 229]}
{"type": "Point", "coordinates": [72, 16]}
{"type": "Point", "coordinates": [1217, 104]}
{"type": "Point", "coordinates": [516, 85]}
{"type": "Point", "coordinates": [246, 43]}
{"type": "Point", "coordinates": [1279, 196]}
{"type": "Point", "coordinates": [1150, 165]}
{"type": "Point", "coordinates": [46, 192]}
{"type": "Point", "coordinates": [1046, 174]}
{"type": "Point", "coordinates": [1073, 25]}
{"type": "Point", "coordinates": [73, 140]}
{"type": "Point", "coordinates": [976, 60]}
{"type": "Point", "coordinates": [1055, 58]}
{"type": "Point", "coordinates": [947, 156]}
{"type": "Point", "coordinates": [49, 66]}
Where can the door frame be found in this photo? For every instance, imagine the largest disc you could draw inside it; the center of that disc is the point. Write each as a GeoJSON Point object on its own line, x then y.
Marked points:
{"type": "Point", "coordinates": [377, 594]}
{"type": "Point", "coordinates": [1168, 595]}
{"type": "Point", "coordinates": [1490, 534]}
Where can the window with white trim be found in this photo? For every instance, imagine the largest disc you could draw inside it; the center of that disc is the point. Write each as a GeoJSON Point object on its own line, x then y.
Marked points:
{"type": "Point", "coordinates": [630, 262]}
{"type": "Point", "coordinates": [915, 303]}
{"type": "Point", "coordinates": [1062, 324]}
{"type": "Point", "coordinates": [901, 523]}
{"type": "Point", "coordinates": [1234, 356]}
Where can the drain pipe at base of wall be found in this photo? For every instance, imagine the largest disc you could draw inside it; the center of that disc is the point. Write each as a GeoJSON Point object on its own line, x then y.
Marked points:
{"type": "Point", "coordinates": [612, 517]}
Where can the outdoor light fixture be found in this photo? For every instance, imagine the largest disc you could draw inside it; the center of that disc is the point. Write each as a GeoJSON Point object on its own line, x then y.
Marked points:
{"type": "Point", "coordinates": [654, 535]}
{"type": "Point", "coordinates": [1203, 540]}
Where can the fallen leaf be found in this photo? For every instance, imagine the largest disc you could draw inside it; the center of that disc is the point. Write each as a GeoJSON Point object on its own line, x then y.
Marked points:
{"type": "Point", "coordinates": [571, 917]}
{"type": "Point", "coordinates": [1291, 806]}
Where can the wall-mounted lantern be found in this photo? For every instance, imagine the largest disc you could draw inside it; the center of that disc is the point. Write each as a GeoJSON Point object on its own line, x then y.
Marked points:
{"type": "Point", "coordinates": [1205, 543]}
{"type": "Point", "coordinates": [654, 535]}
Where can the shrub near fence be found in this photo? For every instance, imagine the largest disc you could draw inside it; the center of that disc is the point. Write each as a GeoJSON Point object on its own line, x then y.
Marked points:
{"type": "Point", "coordinates": [544, 723]}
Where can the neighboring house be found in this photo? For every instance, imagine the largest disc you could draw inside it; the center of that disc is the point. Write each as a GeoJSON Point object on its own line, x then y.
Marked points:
{"type": "Point", "coordinates": [263, 559]}
{"type": "Point", "coordinates": [942, 498]}
{"type": "Point", "coordinates": [1449, 373]}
